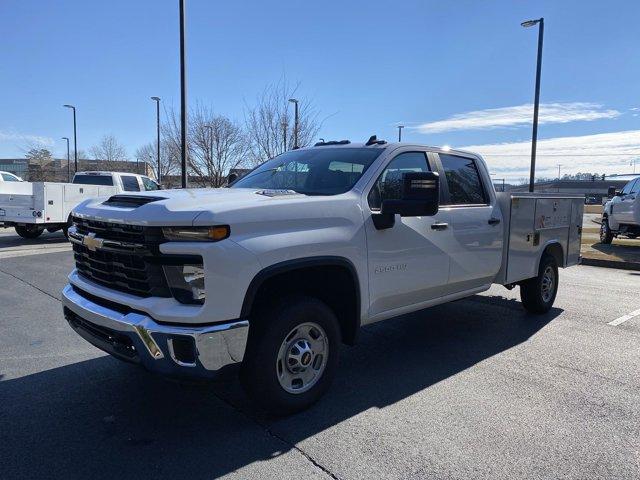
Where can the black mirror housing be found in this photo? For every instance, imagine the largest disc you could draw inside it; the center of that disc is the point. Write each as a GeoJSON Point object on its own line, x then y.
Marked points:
{"type": "Point", "coordinates": [420, 196]}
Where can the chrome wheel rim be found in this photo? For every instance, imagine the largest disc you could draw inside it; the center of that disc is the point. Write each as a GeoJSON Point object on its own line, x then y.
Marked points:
{"type": "Point", "coordinates": [548, 283]}
{"type": "Point", "coordinates": [302, 357]}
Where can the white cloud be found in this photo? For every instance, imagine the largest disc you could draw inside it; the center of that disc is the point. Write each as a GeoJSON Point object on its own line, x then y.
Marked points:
{"type": "Point", "coordinates": [518, 116]}
{"type": "Point", "coordinates": [600, 153]}
{"type": "Point", "coordinates": [26, 138]}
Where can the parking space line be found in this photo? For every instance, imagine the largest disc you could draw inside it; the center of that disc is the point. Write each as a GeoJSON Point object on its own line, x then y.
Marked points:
{"type": "Point", "coordinates": [624, 318]}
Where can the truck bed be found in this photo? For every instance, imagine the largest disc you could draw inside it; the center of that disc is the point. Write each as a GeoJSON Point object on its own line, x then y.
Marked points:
{"type": "Point", "coordinates": [532, 221]}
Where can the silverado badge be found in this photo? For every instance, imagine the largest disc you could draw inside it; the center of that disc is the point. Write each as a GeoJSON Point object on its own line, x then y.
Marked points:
{"type": "Point", "coordinates": [91, 242]}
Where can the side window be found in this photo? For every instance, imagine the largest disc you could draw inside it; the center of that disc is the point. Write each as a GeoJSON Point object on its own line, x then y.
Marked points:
{"type": "Point", "coordinates": [149, 184]}
{"type": "Point", "coordinates": [636, 187]}
{"type": "Point", "coordinates": [7, 177]}
{"type": "Point", "coordinates": [130, 184]}
{"type": "Point", "coordinates": [389, 183]}
{"type": "Point", "coordinates": [463, 180]}
{"type": "Point", "coordinates": [630, 187]}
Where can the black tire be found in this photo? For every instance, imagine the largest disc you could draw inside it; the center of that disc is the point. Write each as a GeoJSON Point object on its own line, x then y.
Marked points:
{"type": "Point", "coordinates": [261, 373]}
{"type": "Point", "coordinates": [606, 235]}
{"type": "Point", "coordinates": [536, 294]}
{"type": "Point", "coordinates": [29, 232]}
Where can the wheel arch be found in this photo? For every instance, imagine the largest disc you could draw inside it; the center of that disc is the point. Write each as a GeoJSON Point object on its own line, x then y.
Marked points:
{"type": "Point", "coordinates": [309, 276]}
{"type": "Point", "coordinates": [554, 248]}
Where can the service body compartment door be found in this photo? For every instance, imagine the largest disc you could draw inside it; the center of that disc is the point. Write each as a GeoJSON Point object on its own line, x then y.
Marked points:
{"type": "Point", "coordinates": [521, 253]}
{"type": "Point", "coordinates": [53, 203]}
{"type": "Point", "coordinates": [575, 232]}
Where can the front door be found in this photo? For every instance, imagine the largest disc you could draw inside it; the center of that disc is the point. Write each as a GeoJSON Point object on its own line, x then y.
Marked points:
{"type": "Point", "coordinates": [408, 263]}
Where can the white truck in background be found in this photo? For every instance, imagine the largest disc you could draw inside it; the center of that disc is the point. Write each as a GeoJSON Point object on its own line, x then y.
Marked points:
{"type": "Point", "coordinates": [621, 214]}
{"type": "Point", "coordinates": [292, 259]}
{"type": "Point", "coordinates": [32, 207]}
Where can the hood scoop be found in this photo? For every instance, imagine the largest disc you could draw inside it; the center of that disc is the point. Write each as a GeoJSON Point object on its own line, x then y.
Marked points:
{"type": "Point", "coordinates": [130, 201]}
{"type": "Point", "coordinates": [276, 192]}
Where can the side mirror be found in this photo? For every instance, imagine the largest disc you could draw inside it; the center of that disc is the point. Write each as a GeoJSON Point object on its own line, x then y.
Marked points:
{"type": "Point", "coordinates": [420, 197]}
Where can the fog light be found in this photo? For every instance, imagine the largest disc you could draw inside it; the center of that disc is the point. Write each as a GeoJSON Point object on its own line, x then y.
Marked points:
{"type": "Point", "coordinates": [186, 282]}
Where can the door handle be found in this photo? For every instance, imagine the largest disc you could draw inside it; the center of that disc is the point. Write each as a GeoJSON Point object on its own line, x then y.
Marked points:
{"type": "Point", "coordinates": [439, 226]}
{"type": "Point", "coordinates": [494, 221]}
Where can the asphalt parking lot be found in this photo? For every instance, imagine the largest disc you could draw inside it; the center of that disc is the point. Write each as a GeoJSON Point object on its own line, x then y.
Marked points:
{"type": "Point", "coordinates": [472, 389]}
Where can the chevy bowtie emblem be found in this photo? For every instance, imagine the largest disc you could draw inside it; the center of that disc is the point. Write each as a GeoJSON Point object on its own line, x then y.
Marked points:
{"type": "Point", "coordinates": [91, 242]}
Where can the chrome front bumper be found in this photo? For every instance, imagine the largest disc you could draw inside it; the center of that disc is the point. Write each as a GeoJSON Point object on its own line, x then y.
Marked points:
{"type": "Point", "coordinates": [170, 350]}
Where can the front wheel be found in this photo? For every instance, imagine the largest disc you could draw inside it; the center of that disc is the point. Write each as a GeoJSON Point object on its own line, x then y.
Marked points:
{"type": "Point", "coordinates": [28, 231]}
{"type": "Point", "coordinates": [539, 293]}
{"type": "Point", "coordinates": [292, 355]}
{"type": "Point", "coordinates": [606, 235]}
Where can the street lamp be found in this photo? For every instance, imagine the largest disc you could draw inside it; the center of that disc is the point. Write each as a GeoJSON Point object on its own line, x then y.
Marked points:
{"type": "Point", "coordinates": [68, 160]}
{"type": "Point", "coordinates": [400, 127]}
{"type": "Point", "coordinates": [75, 137]}
{"type": "Point", "coordinates": [536, 103]}
{"type": "Point", "coordinates": [295, 123]}
{"type": "Point", "coordinates": [157, 100]}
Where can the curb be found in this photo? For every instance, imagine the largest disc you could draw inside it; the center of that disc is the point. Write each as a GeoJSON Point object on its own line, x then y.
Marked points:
{"type": "Point", "coordinates": [597, 262]}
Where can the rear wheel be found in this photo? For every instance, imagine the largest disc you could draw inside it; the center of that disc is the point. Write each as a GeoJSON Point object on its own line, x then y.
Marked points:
{"type": "Point", "coordinates": [606, 235]}
{"type": "Point", "coordinates": [292, 355]}
{"type": "Point", "coordinates": [539, 293]}
{"type": "Point", "coordinates": [28, 231]}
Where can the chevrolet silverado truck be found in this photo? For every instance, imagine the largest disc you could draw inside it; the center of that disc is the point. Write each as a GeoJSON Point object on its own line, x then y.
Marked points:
{"type": "Point", "coordinates": [288, 262]}
{"type": "Point", "coordinates": [621, 214]}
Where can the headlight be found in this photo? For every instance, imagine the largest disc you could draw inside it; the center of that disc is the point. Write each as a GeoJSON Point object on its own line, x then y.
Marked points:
{"type": "Point", "coordinates": [196, 234]}
{"type": "Point", "coordinates": [186, 282]}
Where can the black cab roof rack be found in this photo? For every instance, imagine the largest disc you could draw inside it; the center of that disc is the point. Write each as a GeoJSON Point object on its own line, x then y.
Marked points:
{"type": "Point", "coordinates": [332, 142]}
{"type": "Point", "coordinates": [373, 140]}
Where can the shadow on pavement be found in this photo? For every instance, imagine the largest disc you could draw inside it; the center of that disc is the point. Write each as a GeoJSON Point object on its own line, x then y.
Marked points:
{"type": "Point", "coordinates": [8, 238]}
{"type": "Point", "coordinates": [104, 419]}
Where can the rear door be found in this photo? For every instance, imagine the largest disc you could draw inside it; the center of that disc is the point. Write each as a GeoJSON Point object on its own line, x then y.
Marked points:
{"type": "Point", "coordinates": [476, 221]}
{"type": "Point", "coordinates": [408, 263]}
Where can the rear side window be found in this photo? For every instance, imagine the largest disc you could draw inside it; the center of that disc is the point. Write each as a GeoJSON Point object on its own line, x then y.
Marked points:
{"type": "Point", "coordinates": [389, 183]}
{"type": "Point", "coordinates": [463, 180]}
{"type": "Point", "coordinates": [93, 180]}
{"type": "Point", "coordinates": [130, 184]}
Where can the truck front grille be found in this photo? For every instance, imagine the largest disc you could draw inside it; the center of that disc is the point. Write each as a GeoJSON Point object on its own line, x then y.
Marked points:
{"type": "Point", "coordinates": [129, 261]}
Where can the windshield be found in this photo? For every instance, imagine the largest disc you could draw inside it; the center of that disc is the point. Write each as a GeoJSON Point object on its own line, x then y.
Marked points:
{"type": "Point", "coordinates": [317, 171]}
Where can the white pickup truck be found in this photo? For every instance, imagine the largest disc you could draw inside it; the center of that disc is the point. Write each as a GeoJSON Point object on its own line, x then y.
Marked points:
{"type": "Point", "coordinates": [621, 214]}
{"type": "Point", "coordinates": [291, 260]}
{"type": "Point", "coordinates": [32, 207]}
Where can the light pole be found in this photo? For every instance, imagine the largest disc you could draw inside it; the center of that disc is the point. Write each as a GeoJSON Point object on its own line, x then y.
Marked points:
{"type": "Point", "coordinates": [75, 138]}
{"type": "Point", "coordinates": [183, 96]}
{"type": "Point", "coordinates": [559, 165]}
{"type": "Point", "coordinates": [296, 125]}
{"type": "Point", "coordinates": [400, 127]}
{"type": "Point", "coordinates": [284, 133]}
{"type": "Point", "coordinates": [536, 103]}
{"type": "Point", "coordinates": [68, 160]}
{"type": "Point", "coordinates": [157, 100]}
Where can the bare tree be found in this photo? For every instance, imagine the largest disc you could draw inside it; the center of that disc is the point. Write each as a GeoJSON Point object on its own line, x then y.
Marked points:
{"type": "Point", "coordinates": [40, 167]}
{"type": "Point", "coordinates": [110, 151]}
{"type": "Point", "coordinates": [216, 144]}
{"type": "Point", "coordinates": [270, 122]}
{"type": "Point", "coordinates": [169, 164]}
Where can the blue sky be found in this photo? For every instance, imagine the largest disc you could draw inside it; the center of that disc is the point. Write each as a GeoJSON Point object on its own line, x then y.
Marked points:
{"type": "Point", "coordinates": [459, 73]}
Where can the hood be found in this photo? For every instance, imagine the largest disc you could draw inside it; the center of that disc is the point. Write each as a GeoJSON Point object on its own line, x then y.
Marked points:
{"type": "Point", "coordinates": [193, 206]}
